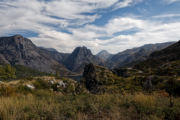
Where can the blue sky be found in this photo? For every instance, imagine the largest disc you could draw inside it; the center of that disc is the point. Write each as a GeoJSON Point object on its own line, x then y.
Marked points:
{"type": "Point", "coordinates": [113, 25]}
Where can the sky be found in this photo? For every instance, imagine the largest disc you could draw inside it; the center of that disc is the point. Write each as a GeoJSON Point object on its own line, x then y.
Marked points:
{"type": "Point", "coordinates": [112, 25]}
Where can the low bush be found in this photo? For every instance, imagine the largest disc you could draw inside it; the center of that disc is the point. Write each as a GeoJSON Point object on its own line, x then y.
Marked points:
{"type": "Point", "coordinates": [41, 84]}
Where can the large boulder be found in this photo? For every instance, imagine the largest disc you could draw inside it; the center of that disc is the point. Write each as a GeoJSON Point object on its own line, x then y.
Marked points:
{"type": "Point", "coordinates": [98, 78]}
{"type": "Point", "coordinates": [90, 76]}
{"type": "Point", "coordinates": [148, 86]}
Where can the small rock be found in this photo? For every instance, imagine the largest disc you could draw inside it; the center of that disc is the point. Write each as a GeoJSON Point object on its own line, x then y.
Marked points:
{"type": "Point", "coordinates": [1, 82]}
{"type": "Point", "coordinates": [30, 86]}
{"type": "Point", "coordinates": [51, 82]}
{"type": "Point", "coordinates": [61, 83]}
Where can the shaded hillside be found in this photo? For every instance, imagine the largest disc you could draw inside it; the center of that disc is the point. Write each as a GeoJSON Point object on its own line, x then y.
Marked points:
{"type": "Point", "coordinates": [170, 53]}
{"type": "Point", "coordinates": [135, 55]}
{"type": "Point", "coordinates": [163, 62]}
{"type": "Point", "coordinates": [17, 50]}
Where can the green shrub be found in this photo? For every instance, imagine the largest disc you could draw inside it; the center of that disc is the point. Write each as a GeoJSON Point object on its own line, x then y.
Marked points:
{"type": "Point", "coordinates": [173, 88]}
{"type": "Point", "coordinates": [70, 88]}
{"type": "Point", "coordinates": [23, 89]}
{"type": "Point", "coordinates": [41, 84]}
{"type": "Point", "coordinates": [7, 72]}
{"type": "Point", "coordinates": [27, 73]}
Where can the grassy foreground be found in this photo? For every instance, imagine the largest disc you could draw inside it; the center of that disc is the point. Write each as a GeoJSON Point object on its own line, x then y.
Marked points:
{"type": "Point", "coordinates": [46, 105]}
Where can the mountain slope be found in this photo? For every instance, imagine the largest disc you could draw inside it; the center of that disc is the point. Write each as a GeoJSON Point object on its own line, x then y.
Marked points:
{"type": "Point", "coordinates": [79, 58]}
{"type": "Point", "coordinates": [170, 53]}
{"type": "Point", "coordinates": [17, 50]}
{"type": "Point", "coordinates": [104, 55]}
{"type": "Point", "coordinates": [163, 62]}
{"type": "Point", "coordinates": [53, 53]}
{"type": "Point", "coordinates": [135, 55]}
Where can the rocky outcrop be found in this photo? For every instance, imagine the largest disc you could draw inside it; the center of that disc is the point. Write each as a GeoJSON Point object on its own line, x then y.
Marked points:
{"type": "Point", "coordinates": [98, 78]}
{"type": "Point", "coordinates": [90, 77]}
{"type": "Point", "coordinates": [148, 84]}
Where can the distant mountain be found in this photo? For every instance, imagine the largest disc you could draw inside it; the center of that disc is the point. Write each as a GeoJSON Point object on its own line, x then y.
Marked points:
{"type": "Point", "coordinates": [53, 53]}
{"type": "Point", "coordinates": [134, 55]}
{"type": "Point", "coordinates": [104, 55]}
{"type": "Point", "coordinates": [17, 50]}
{"type": "Point", "coordinates": [49, 49]}
{"type": "Point", "coordinates": [79, 58]}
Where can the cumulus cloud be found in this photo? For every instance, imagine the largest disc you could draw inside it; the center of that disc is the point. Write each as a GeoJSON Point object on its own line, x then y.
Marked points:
{"type": "Point", "coordinates": [48, 17]}
{"type": "Point", "coordinates": [126, 3]}
{"type": "Point", "coordinates": [94, 37]}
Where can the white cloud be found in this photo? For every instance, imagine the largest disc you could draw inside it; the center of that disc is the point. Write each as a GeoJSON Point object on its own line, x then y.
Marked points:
{"type": "Point", "coordinates": [126, 3]}
{"type": "Point", "coordinates": [73, 11]}
{"type": "Point", "coordinates": [151, 33]}
{"type": "Point", "coordinates": [148, 31]}
{"type": "Point", "coordinates": [48, 18]}
{"type": "Point", "coordinates": [167, 16]}
{"type": "Point", "coordinates": [90, 35]}
{"type": "Point", "coordinates": [171, 1]}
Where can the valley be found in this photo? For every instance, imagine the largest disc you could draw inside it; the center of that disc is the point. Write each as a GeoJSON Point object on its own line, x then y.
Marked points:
{"type": "Point", "coordinates": [43, 84]}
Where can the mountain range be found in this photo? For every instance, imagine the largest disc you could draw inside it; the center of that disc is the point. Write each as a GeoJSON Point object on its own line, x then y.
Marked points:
{"type": "Point", "coordinates": [17, 50]}
{"type": "Point", "coordinates": [135, 55]}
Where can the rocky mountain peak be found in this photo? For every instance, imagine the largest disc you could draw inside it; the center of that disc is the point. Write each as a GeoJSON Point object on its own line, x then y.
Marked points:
{"type": "Point", "coordinates": [18, 37]}
{"type": "Point", "coordinates": [79, 58]}
{"type": "Point", "coordinates": [82, 51]}
{"type": "Point", "coordinates": [16, 42]}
